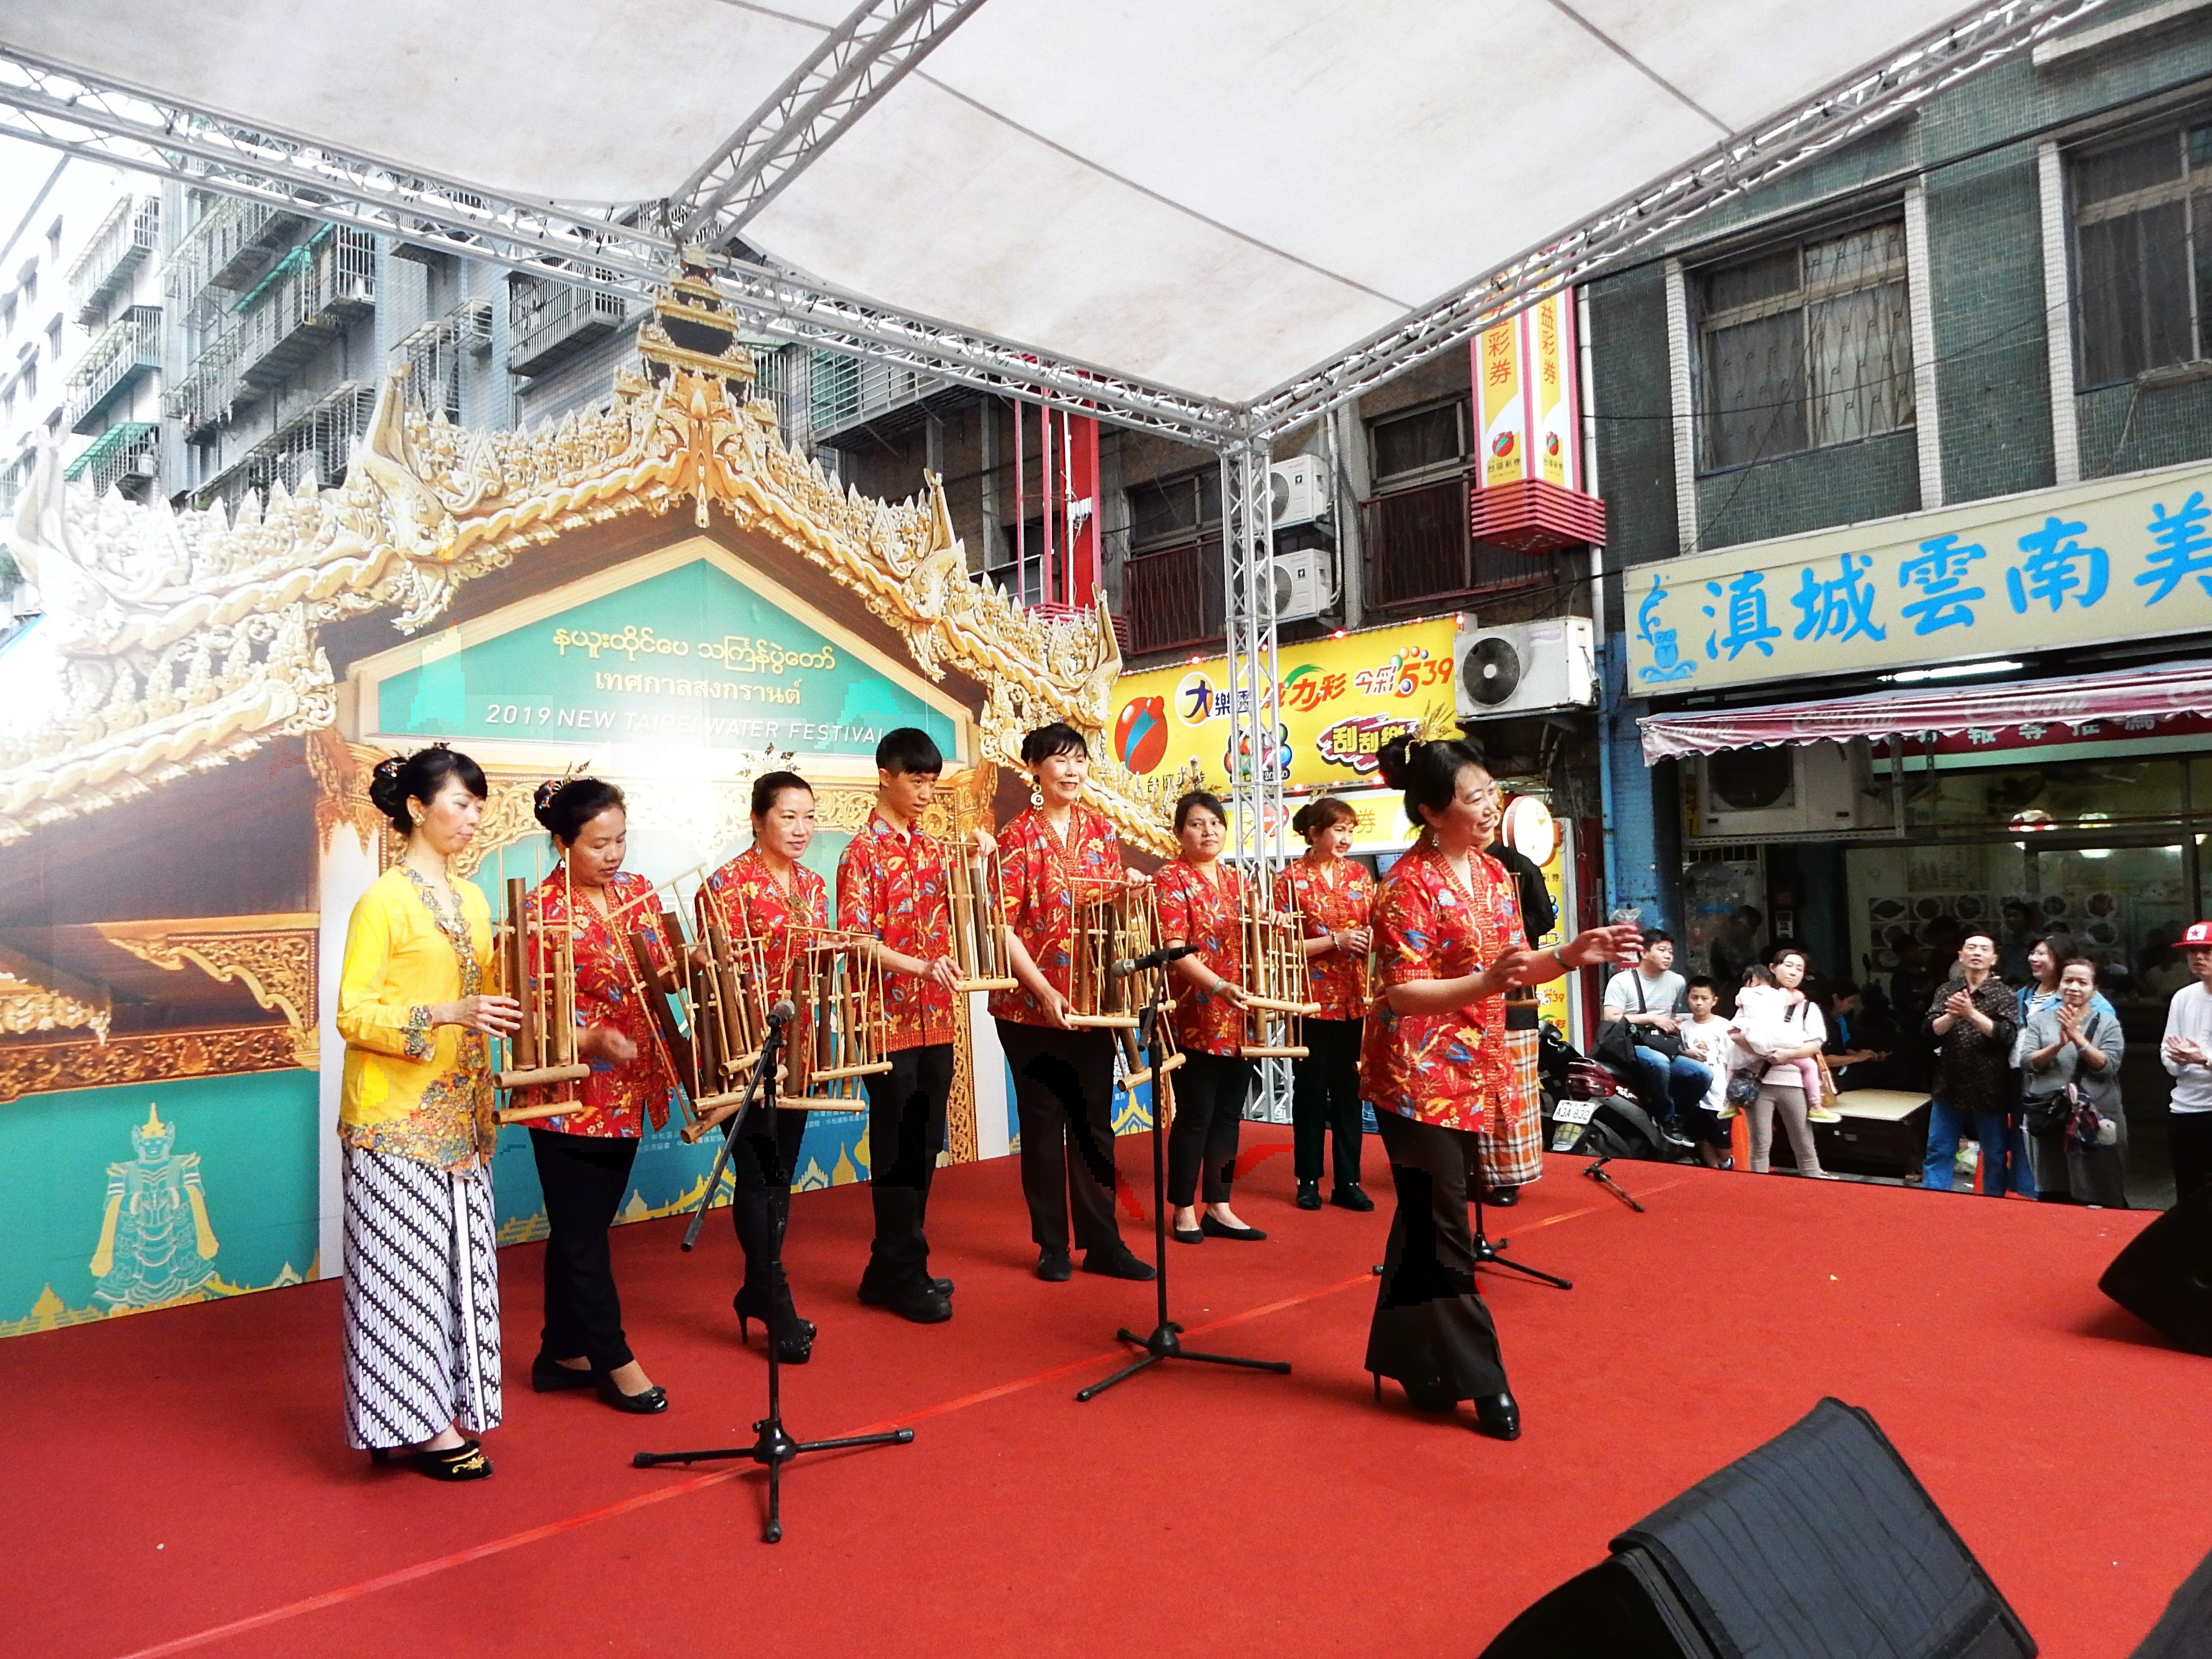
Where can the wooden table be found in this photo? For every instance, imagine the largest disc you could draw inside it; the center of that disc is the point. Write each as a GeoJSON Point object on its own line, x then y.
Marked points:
{"type": "Point", "coordinates": [1884, 1131]}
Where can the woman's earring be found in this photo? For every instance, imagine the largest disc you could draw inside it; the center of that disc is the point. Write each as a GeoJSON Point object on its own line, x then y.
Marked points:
{"type": "Point", "coordinates": [1036, 794]}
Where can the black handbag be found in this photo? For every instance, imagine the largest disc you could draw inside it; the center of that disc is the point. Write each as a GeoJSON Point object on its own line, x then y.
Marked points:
{"type": "Point", "coordinates": [1668, 1043]}
{"type": "Point", "coordinates": [2047, 1115]}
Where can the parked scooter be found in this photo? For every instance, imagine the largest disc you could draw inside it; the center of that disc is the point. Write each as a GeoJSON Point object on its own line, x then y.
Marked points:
{"type": "Point", "coordinates": [1589, 1111]}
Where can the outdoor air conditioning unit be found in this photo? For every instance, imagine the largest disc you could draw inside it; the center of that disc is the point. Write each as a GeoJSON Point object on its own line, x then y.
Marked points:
{"type": "Point", "coordinates": [1299, 487]}
{"type": "Point", "coordinates": [1524, 668]}
{"type": "Point", "coordinates": [1304, 583]}
{"type": "Point", "coordinates": [1794, 789]}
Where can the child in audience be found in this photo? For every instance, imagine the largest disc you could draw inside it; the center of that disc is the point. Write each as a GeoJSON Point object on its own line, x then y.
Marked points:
{"type": "Point", "coordinates": [1709, 1039]}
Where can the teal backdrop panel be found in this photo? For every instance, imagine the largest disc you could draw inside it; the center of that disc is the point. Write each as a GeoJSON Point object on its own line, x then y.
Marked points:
{"type": "Point", "coordinates": [244, 1147]}
{"type": "Point", "coordinates": [689, 656]}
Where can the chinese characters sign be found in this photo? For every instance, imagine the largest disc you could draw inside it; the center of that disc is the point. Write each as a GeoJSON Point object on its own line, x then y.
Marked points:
{"type": "Point", "coordinates": [1525, 395]}
{"type": "Point", "coordinates": [2116, 559]}
{"type": "Point", "coordinates": [1342, 700]}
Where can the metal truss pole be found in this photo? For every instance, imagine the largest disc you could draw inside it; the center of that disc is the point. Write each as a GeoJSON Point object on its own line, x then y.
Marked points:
{"type": "Point", "coordinates": [864, 57]}
{"type": "Point", "coordinates": [1256, 822]}
{"type": "Point", "coordinates": [613, 251]}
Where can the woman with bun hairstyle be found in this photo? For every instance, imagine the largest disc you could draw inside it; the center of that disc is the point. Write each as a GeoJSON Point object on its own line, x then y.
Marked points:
{"type": "Point", "coordinates": [1434, 1064]}
{"type": "Point", "coordinates": [420, 1295]}
{"type": "Point", "coordinates": [584, 1156]}
{"type": "Point", "coordinates": [1333, 897]}
{"type": "Point", "coordinates": [1057, 850]}
{"type": "Point", "coordinates": [766, 892]}
{"type": "Point", "coordinates": [1202, 904]}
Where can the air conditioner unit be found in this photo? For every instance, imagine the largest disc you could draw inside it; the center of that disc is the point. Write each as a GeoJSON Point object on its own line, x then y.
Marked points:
{"type": "Point", "coordinates": [1305, 583]}
{"type": "Point", "coordinates": [1796, 789]}
{"type": "Point", "coordinates": [1298, 485]}
{"type": "Point", "coordinates": [1524, 668]}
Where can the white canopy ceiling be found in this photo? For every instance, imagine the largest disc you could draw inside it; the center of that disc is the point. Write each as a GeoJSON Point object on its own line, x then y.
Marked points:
{"type": "Point", "coordinates": [1212, 196]}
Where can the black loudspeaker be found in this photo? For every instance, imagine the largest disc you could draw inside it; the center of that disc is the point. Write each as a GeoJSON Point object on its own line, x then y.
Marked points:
{"type": "Point", "coordinates": [2184, 1631]}
{"type": "Point", "coordinates": [2164, 1277]}
{"type": "Point", "coordinates": [1820, 1545]}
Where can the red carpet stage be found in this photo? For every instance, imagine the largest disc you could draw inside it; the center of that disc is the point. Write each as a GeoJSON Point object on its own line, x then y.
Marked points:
{"type": "Point", "coordinates": [175, 1482]}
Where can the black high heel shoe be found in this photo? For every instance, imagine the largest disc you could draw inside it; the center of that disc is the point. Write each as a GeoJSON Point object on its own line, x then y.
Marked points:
{"type": "Point", "coordinates": [794, 1336]}
{"type": "Point", "coordinates": [1498, 1416]}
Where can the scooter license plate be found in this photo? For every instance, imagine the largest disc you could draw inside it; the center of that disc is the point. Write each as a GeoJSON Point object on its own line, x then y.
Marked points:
{"type": "Point", "coordinates": [1574, 1111]}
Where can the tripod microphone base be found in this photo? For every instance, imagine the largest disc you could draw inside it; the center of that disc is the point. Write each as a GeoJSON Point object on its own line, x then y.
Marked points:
{"type": "Point", "coordinates": [772, 1449]}
{"type": "Point", "coordinates": [1486, 1255]}
{"type": "Point", "coordinates": [1166, 1343]}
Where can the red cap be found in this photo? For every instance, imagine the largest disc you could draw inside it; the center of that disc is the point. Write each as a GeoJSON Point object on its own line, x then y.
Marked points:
{"type": "Point", "coordinates": [2197, 936]}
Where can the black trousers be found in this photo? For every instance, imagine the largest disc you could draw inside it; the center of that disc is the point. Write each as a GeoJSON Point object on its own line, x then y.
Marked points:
{"type": "Point", "coordinates": [1209, 1110]}
{"type": "Point", "coordinates": [1064, 1097]}
{"type": "Point", "coordinates": [2189, 1136]}
{"type": "Point", "coordinates": [762, 1165]}
{"type": "Point", "coordinates": [906, 1131]}
{"type": "Point", "coordinates": [1325, 1101]}
{"type": "Point", "coordinates": [1431, 1330]}
{"type": "Point", "coordinates": [584, 1178]}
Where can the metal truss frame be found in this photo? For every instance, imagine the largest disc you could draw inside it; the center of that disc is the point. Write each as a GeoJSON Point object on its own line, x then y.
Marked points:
{"type": "Point", "coordinates": [1881, 93]}
{"type": "Point", "coordinates": [614, 252]}
{"type": "Point", "coordinates": [1255, 767]}
{"type": "Point", "coordinates": [863, 58]}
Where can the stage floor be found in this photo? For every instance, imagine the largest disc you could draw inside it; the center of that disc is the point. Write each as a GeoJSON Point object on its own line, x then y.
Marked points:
{"type": "Point", "coordinates": [176, 1482]}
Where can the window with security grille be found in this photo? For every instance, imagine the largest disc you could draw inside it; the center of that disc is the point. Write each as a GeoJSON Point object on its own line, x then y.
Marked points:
{"type": "Point", "coordinates": [2143, 253]}
{"type": "Point", "coordinates": [1406, 448]}
{"type": "Point", "coordinates": [1803, 346]}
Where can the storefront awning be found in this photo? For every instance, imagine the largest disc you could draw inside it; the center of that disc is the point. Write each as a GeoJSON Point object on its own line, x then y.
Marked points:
{"type": "Point", "coordinates": [2138, 701]}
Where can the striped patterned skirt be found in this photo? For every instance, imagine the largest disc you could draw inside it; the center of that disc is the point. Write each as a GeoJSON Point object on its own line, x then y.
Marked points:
{"type": "Point", "coordinates": [1512, 1143]}
{"type": "Point", "coordinates": [421, 1301]}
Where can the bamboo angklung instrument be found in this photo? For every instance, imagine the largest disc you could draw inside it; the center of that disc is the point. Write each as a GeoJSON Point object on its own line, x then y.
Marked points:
{"type": "Point", "coordinates": [541, 1053]}
{"type": "Point", "coordinates": [841, 984]}
{"type": "Point", "coordinates": [727, 997]}
{"type": "Point", "coordinates": [1113, 922]}
{"type": "Point", "coordinates": [976, 897]}
{"type": "Point", "coordinates": [1278, 983]}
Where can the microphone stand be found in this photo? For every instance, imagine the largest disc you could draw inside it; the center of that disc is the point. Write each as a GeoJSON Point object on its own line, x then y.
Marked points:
{"type": "Point", "coordinates": [772, 1448]}
{"type": "Point", "coordinates": [1166, 1341]}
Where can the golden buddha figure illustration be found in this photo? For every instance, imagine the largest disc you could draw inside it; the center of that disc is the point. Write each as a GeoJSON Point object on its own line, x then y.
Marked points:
{"type": "Point", "coordinates": [145, 1258]}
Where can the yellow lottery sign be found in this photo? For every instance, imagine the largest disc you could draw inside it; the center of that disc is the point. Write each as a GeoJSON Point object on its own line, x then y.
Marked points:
{"type": "Point", "coordinates": [1340, 699]}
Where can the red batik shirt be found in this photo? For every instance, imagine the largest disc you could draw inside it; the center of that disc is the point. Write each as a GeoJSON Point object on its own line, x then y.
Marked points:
{"type": "Point", "coordinates": [1195, 911]}
{"type": "Point", "coordinates": [1328, 897]}
{"type": "Point", "coordinates": [891, 885]}
{"type": "Point", "coordinates": [749, 902]}
{"type": "Point", "coordinates": [618, 1101]}
{"type": "Point", "coordinates": [1040, 874]}
{"type": "Point", "coordinates": [1450, 1068]}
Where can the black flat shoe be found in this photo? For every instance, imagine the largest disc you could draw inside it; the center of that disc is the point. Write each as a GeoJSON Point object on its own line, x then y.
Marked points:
{"type": "Point", "coordinates": [1350, 1198]}
{"type": "Point", "coordinates": [1188, 1235]}
{"type": "Point", "coordinates": [1503, 1198]}
{"type": "Point", "coordinates": [549, 1376]}
{"type": "Point", "coordinates": [920, 1304]}
{"type": "Point", "coordinates": [465, 1461]}
{"type": "Point", "coordinates": [1055, 1267]}
{"type": "Point", "coordinates": [1308, 1195]}
{"type": "Point", "coordinates": [1118, 1262]}
{"type": "Point", "coordinates": [654, 1399]}
{"type": "Point", "coordinates": [942, 1286]}
{"type": "Point", "coordinates": [1498, 1416]}
{"type": "Point", "coordinates": [1214, 1229]}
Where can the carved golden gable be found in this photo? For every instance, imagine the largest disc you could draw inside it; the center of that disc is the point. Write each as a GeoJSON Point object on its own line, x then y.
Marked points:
{"type": "Point", "coordinates": [175, 641]}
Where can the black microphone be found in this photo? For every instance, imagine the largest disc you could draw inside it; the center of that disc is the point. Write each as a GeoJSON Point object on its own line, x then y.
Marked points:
{"type": "Point", "coordinates": [1152, 959]}
{"type": "Point", "coordinates": [783, 1013]}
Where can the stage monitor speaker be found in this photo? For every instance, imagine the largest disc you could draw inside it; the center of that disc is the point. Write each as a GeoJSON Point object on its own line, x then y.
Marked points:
{"type": "Point", "coordinates": [1819, 1545]}
{"type": "Point", "coordinates": [2184, 1630]}
{"type": "Point", "coordinates": [2164, 1277]}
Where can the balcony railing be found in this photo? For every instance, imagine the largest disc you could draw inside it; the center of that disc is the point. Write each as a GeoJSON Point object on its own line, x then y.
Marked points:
{"type": "Point", "coordinates": [846, 391]}
{"type": "Point", "coordinates": [128, 450]}
{"type": "Point", "coordinates": [226, 250]}
{"type": "Point", "coordinates": [121, 244]}
{"type": "Point", "coordinates": [1419, 551]}
{"type": "Point", "coordinates": [1172, 597]}
{"type": "Point", "coordinates": [303, 303]}
{"type": "Point", "coordinates": [128, 347]}
{"type": "Point", "coordinates": [318, 443]}
{"type": "Point", "coordinates": [551, 321]}
{"type": "Point", "coordinates": [433, 353]}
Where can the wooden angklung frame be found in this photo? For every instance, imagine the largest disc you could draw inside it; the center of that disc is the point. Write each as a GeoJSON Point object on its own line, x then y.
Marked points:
{"type": "Point", "coordinates": [538, 962]}
{"type": "Point", "coordinates": [976, 897]}
{"type": "Point", "coordinates": [1277, 980]}
{"type": "Point", "coordinates": [1113, 922]}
